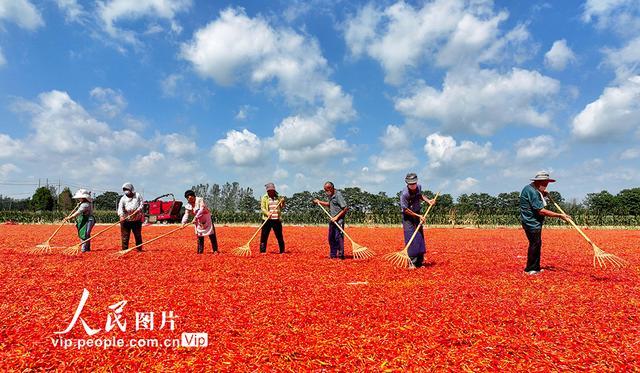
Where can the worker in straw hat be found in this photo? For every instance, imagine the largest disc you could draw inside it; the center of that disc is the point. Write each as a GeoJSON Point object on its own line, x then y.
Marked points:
{"type": "Point", "coordinates": [271, 205]}
{"type": "Point", "coordinates": [131, 216]}
{"type": "Point", "coordinates": [410, 203]}
{"type": "Point", "coordinates": [84, 217]}
{"type": "Point", "coordinates": [532, 214]}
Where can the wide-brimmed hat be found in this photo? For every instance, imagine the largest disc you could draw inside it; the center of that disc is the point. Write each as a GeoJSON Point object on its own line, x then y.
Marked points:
{"type": "Point", "coordinates": [129, 187]}
{"type": "Point", "coordinates": [83, 193]}
{"type": "Point", "coordinates": [543, 176]}
{"type": "Point", "coordinates": [411, 178]}
{"type": "Point", "coordinates": [270, 186]}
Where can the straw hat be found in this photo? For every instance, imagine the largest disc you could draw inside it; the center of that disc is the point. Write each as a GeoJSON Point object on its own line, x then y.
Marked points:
{"type": "Point", "coordinates": [270, 186]}
{"type": "Point", "coordinates": [83, 193]}
{"type": "Point", "coordinates": [543, 176]}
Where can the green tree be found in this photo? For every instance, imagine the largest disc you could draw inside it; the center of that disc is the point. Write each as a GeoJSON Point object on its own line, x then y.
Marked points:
{"type": "Point", "coordinates": [444, 202]}
{"type": "Point", "coordinates": [214, 199]}
{"type": "Point", "coordinates": [556, 196]}
{"type": "Point", "coordinates": [202, 190]}
{"type": "Point", "coordinates": [247, 202]}
{"type": "Point", "coordinates": [357, 199]}
{"type": "Point", "coordinates": [13, 204]}
{"type": "Point", "coordinates": [508, 202]}
{"type": "Point", "coordinates": [482, 201]}
{"type": "Point", "coordinates": [107, 201]}
{"type": "Point", "coordinates": [300, 202]}
{"type": "Point", "coordinates": [464, 203]}
{"type": "Point", "coordinates": [383, 204]}
{"type": "Point", "coordinates": [65, 200]}
{"type": "Point", "coordinates": [42, 200]}
{"type": "Point", "coordinates": [230, 194]}
{"type": "Point", "coordinates": [629, 201]}
{"type": "Point", "coordinates": [601, 203]}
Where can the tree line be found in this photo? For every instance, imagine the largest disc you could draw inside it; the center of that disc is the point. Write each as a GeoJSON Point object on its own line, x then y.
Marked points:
{"type": "Point", "coordinates": [234, 203]}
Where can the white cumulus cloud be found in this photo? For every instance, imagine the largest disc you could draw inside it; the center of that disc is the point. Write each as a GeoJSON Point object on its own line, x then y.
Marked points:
{"type": "Point", "coordinates": [149, 164]}
{"type": "Point", "coordinates": [237, 49]}
{"type": "Point", "coordinates": [329, 148]}
{"type": "Point", "coordinates": [466, 185]}
{"type": "Point", "coordinates": [108, 166]}
{"type": "Point", "coordinates": [9, 147]}
{"type": "Point", "coordinates": [448, 32]}
{"type": "Point", "coordinates": [238, 148]}
{"type": "Point", "coordinates": [22, 13]}
{"type": "Point", "coordinates": [396, 154]}
{"type": "Point", "coordinates": [179, 145]}
{"type": "Point", "coordinates": [631, 153]}
{"type": "Point", "coordinates": [113, 11]}
{"type": "Point", "coordinates": [559, 56]}
{"type": "Point", "coordinates": [298, 132]}
{"type": "Point", "coordinates": [61, 125]}
{"type": "Point", "coordinates": [540, 147]}
{"type": "Point", "coordinates": [626, 60]}
{"type": "Point", "coordinates": [445, 153]}
{"type": "Point", "coordinates": [483, 101]}
{"type": "Point", "coordinates": [73, 11]}
{"type": "Point", "coordinates": [8, 168]}
{"type": "Point", "coordinates": [621, 16]}
{"type": "Point", "coordinates": [614, 114]}
{"type": "Point", "coordinates": [111, 102]}
{"type": "Point", "coordinates": [89, 151]}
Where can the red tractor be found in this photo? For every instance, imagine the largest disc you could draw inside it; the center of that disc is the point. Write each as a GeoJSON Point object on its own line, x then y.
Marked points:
{"type": "Point", "coordinates": [164, 211]}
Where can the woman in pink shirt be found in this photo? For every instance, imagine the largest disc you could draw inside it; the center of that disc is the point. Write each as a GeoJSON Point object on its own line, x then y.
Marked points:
{"type": "Point", "coordinates": [197, 207]}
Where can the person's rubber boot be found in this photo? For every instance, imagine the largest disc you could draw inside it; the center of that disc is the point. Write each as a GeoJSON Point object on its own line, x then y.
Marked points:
{"type": "Point", "coordinates": [263, 248]}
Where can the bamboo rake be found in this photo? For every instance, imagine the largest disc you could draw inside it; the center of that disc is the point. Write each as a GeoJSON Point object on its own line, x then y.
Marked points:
{"type": "Point", "coordinates": [45, 247]}
{"type": "Point", "coordinates": [75, 249]}
{"type": "Point", "coordinates": [245, 250]}
{"type": "Point", "coordinates": [124, 252]}
{"type": "Point", "coordinates": [600, 256]}
{"type": "Point", "coordinates": [401, 258]}
{"type": "Point", "coordinates": [359, 251]}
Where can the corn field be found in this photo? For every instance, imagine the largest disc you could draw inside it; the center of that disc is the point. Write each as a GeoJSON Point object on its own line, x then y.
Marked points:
{"type": "Point", "coordinates": [451, 217]}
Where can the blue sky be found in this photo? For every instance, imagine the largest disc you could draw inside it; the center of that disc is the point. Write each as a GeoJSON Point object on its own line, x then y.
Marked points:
{"type": "Point", "coordinates": [474, 96]}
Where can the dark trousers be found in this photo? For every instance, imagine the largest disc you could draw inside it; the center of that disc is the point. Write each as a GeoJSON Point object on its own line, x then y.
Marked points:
{"type": "Point", "coordinates": [214, 243]}
{"type": "Point", "coordinates": [125, 232]}
{"type": "Point", "coordinates": [417, 260]}
{"type": "Point", "coordinates": [336, 240]}
{"type": "Point", "coordinates": [276, 225]}
{"type": "Point", "coordinates": [535, 245]}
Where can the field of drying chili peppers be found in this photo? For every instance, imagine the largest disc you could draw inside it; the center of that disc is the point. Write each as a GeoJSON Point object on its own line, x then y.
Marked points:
{"type": "Point", "coordinates": [471, 308]}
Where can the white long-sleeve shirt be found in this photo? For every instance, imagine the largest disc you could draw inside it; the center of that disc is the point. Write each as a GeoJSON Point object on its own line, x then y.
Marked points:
{"type": "Point", "coordinates": [128, 206]}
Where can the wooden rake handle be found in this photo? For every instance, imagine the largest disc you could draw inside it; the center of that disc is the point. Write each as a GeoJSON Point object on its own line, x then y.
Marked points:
{"type": "Point", "coordinates": [161, 236]}
{"type": "Point", "coordinates": [264, 222]}
{"type": "Point", "coordinates": [106, 229]}
{"type": "Point", "coordinates": [570, 220]}
{"type": "Point", "coordinates": [64, 221]}
{"type": "Point", "coordinates": [335, 222]}
{"type": "Point", "coordinates": [420, 224]}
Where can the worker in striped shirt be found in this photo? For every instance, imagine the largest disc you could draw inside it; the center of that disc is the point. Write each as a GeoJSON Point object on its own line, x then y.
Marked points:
{"type": "Point", "coordinates": [271, 205]}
